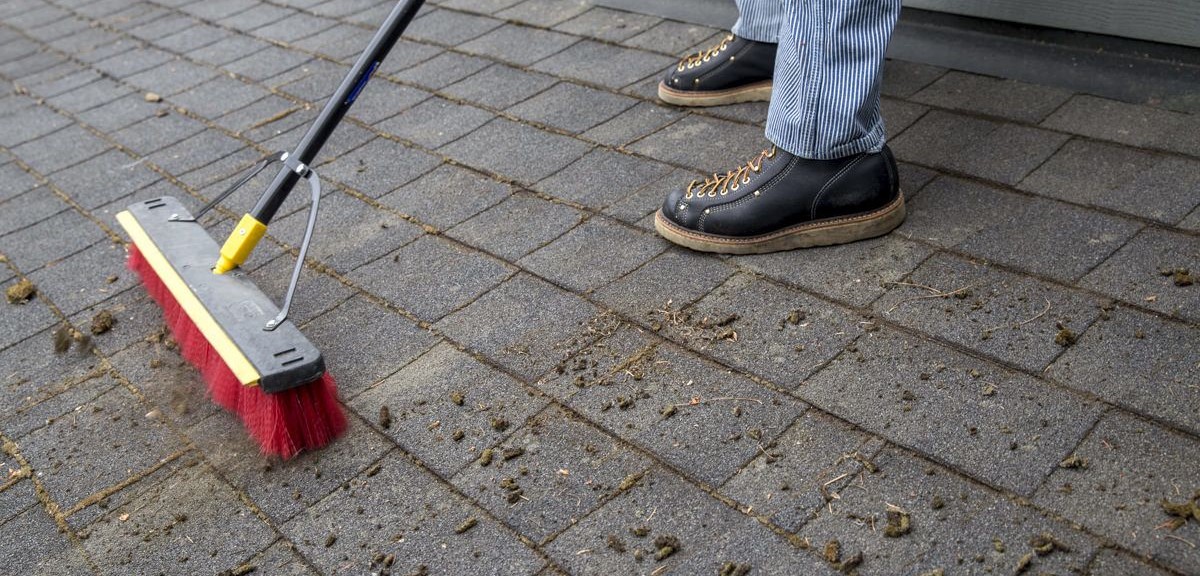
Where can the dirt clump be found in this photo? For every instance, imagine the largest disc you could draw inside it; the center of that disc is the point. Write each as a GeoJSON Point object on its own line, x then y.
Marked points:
{"type": "Point", "coordinates": [385, 417]}
{"type": "Point", "coordinates": [732, 569]}
{"type": "Point", "coordinates": [1182, 512]}
{"type": "Point", "coordinates": [1074, 462]}
{"type": "Point", "coordinates": [899, 523]}
{"type": "Point", "coordinates": [616, 544]}
{"type": "Point", "coordinates": [665, 546]}
{"type": "Point", "coordinates": [1065, 336]}
{"type": "Point", "coordinates": [103, 322]}
{"type": "Point", "coordinates": [467, 524]}
{"type": "Point", "coordinates": [21, 292]}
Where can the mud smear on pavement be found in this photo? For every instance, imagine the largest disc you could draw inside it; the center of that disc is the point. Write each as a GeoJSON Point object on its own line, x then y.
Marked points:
{"type": "Point", "coordinates": [21, 292]}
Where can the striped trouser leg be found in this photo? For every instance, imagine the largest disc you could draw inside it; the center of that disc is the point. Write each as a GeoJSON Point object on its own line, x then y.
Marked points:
{"type": "Point", "coordinates": [825, 99]}
{"type": "Point", "coordinates": [759, 20]}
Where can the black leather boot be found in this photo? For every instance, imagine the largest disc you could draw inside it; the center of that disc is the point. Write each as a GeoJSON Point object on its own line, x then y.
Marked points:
{"type": "Point", "coordinates": [735, 70]}
{"type": "Point", "coordinates": [777, 201]}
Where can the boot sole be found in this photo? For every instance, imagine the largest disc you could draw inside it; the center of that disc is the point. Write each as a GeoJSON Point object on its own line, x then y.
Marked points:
{"type": "Point", "coordinates": [758, 92]}
{"type": "Point", "coordinates": [821, 233]}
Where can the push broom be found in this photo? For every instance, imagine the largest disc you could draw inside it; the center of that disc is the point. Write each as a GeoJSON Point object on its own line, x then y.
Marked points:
{"type": "Point", "coordinates": [256, 363]}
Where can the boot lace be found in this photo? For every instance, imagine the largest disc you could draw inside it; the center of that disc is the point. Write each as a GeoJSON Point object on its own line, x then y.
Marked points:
{"type": "Point", "coordinates": [694, 60]}
{"type": "Point", "coordinates": [730, 181]}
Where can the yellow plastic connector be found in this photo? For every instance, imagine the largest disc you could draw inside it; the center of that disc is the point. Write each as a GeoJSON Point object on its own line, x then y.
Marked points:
{"type": "Point", "coordinates": [240, 244]}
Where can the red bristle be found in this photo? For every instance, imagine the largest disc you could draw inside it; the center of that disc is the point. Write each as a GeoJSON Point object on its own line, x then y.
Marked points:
{"type": "Point", "coordinates": [283, 423]}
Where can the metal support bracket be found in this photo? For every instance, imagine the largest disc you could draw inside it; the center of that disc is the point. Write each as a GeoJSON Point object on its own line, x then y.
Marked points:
{"type": "Point", "coordinates": [314, 184]}
{"type": "Point", "coordinates": [249, 175]}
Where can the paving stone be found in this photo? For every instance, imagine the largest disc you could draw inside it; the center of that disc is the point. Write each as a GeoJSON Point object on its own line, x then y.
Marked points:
{"type": "Point", "coordinates": [1029, 103]}
{"type": "Point", "coordinates": [803, 469]}
{"type": "Point", "coordinates": [898, 115]}
{"type": "Point", "coordinates": [33, 545]}
{"type": "Point", "coordinates": [136, 318]}
{"type": "Point", "coordinates": [218, 97]}
{"type": "Point", "coordinates": [913, 179]}
{"type": "Point", "coordinates": [1132, 124]}
{"type": "Point", "coordinates": [675, 278]}
{"type": "Point", "coordinates": [162, 27]}
{"type": "Point", "coordinates": [1003, 315]}
{"type": "Point", "coordinates": [379, 167]}
{"type": "Point", "coordinates": [197, 151]}
{"type": "Point", "coordinates": [608, 24]}
{"type": "Point", "coordinates": [119, 113]}
{"type": "Point", "coordinates": [1135, 273]}
{"type": "Point", "coordinates": [516, 44]}
{"type": "Point", "coordinates": [746, 113]}
{"type": "Point", "coordinates": [282, 489]}
{"type": "Point", "coordinates": [345, 138]}
{"type": "Point", "coordinates": [954, 525]}
{"type": "Point", "coordinates": [566, 468]}
{"type": "Point", "coordinates": [217, 8]}
{"type": "Point", "coordinates": [184, 521]}
{"type": "Point", "coordinates": [406, 54]}
{"type": "Point", "coordinates": [349, 232]}
{"type": "Point", "coordinates": [639, 206]}
{"type": "Point", "coordinates": [88, 96]}
{"type": "Point", "coordinates": [343, 42]}
{"type": "Point", "coordinates": [446, 196]}
{"type": "Point", "coordinates": [544, 13]}
{"type": "Point", "coordinates": [294, 27]}
{"type": "Point", "coordinates": [383, 100]}
{"type": "Point", "coordinates": [339, 8]}
{"type": "Point", "coordinates": [632, 124]}
{"type": "Point", "coordinates": [662, 505]}
{"type": "Point", "coordinates": [426, 419]}
{"type": "Point", "coordinates": [118, 45]}
{"type": "Point", "coordinates": [525, 224]}
{"type": "Point", "coordinates": [60, 149]}
{"type": "Point", "coordinates": [603, 64]}
{"type": "Point", "coordinates": [153, 366]}
{"type": "Point", "coordinates": [441, 70]}
{"type": "Point", "coordinates": [50, 240]}
{"type": "Point", "coordinates": [499, 86]}
{"type": "Point", "coordinates": [316, 293]}
{"type": "Point", "coordinates": [266, 62]}
{"type": "Point", "coordinates": [281, 558]}
{"type": "Point", "coordinates": [431, 278]}
{"type": "Point", "coordinates": [127, 64]}
{"type": "Point", "coordinates": [228, 50]}
{"type": "Point", "coordinates": [903, 79]}
{"type": "Point", "coordinates": [256, 16]}
{"type": "Point", "coordinates": [71, 466]}
{"type": "Point", "coordinates": [856, 273]}
{"type": "Point", "coordinates": [572, 108]}
{"type": "Point", "coordinates": [526, 340]}
{"type": "Point", "coordinates": [505, 147]}
{"type": "Point", "coordinates": [480, 6]}
{"type": "Point", "coordinates": [762, 340]}
{"type": "Point", "coordinates": [41, 411]}
{"type": "Point", "coordinates": [33, 372]}
{"type": "Point", "coordinates": [675, 38]}
{"type": "Point", "coordinates": [1159, 187]}
{"type": "Point", "coordinates": [312, 82]}
{"type": "Point", "coordinates": [450, 28]}
{"type": "Point", "coordinates": [16, 497]}
{"type": "Point", "coordinates": [1138, 361]}
{"type": "Point", "coordinates": [363, 343]}
{"type": "Point", "coordinates": [81, 280]}
{"type": "Point", "coordinates": [1109, 562]}
{"type": "Point", "coordinates": [561, 261]}
{"type": "Point", "coordinates": [156, 133]}
{"type": "Point", "coordinates": [171, 77]}
{"type": "Point", "coordinates": [687, 142]}
{"type": "Point", "coordinates": [435, 122]}
{"type": "Point", "coordinates": [29, 208]}
{"type": "Point", "coordinates": [1000, 152]}
{"type": "Point", "coordinates": [635, 403]}
{"type": "Point", "coordinates": [14, 181]}
{"type": "Point", "coordinates": [63, 84]}
{"type": "Point", "coordinates": [602, 177]}
{"type": "Point", "coordinates": [1001, 427]}
{"type": "Point", "coordinates": [424, 526]}
{"type": "Point", "coordinates": [193, 38]}
{"type": "Point", "coordinates": [1132, 466]}
{"type": "Point", "coordinates": [256, 114]}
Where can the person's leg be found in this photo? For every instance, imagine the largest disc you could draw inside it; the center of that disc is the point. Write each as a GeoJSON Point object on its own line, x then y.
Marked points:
{"type": "Point", "coordinates": [829, 179]}
{"type": "Point", "coordinates": [736, 69]}
{"type": "Point", "coordinates": [827, 71]}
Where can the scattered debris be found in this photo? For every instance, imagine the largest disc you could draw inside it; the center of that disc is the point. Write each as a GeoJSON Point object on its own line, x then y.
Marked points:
{"type": "Point", "coordinates": [899, 523]}
{"type": "Point", "coordinates": [848, 565]}
{"type": "Point", "coordinates": [1183, 511]}
{"type": "Point", "coordinates": [102, 322]}
{"type": "Point", "coordinates": [457, 398]}
{"type": "Point", "coordinates": [467, 524]}
{"type": "Point", "coordinates": [666, 545]}
{"type": "Point", "coordinates": [833, 551]}
{"type": "Point", "coordinates": [385, 417]}
{"type": "Point", "coordinates": [21, 292]}
{"type": "Point", "coordinates": [668, 411]}
{"type": "Point", "coordinates": [615, 543]}
{"type": "Point", "coordinates": [1074, 462]}
{"type": "Point", "coordinates": [62, 339]}
{"type": "Point", "coordinates": [640, 531]}
{"type": "Point", "coordinates": [1045, 543]}
{"type": "Point", "coordinates": [1024, 563]}
{"type": "Point", "coordinates": [934, 572]}
{"type": "Point", "coordinates": [629, 482]}
{"type": "Point", "coordinates": [458, 435]}
{"type": "Point", "coordinates": [937, 503]}
{"type": "Point", "coordinates": [330, 539]}
{"type": "Point", "coordinates": [510, 453]}
{"type": "Point", "coordinates": [731, 569]}
{"type": "Point", "coordinates": [374, 469]}
{"type": "Point", "coordinates": [152, 97]}
{"type": "Point", "coordinates": [1182, 277]}
{"type": "Point", "coordinates": [485, 457]}
{"type": "Point", "coordinates": [1066, 336]}
{"type": "Point", "coordinates": [499, 424]}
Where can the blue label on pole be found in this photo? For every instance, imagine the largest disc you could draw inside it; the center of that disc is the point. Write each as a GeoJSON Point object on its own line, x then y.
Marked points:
{"type": "Point", "coordinates": [361, 83]}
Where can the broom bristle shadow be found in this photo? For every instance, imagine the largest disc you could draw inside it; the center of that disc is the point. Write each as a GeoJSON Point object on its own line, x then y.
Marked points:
{"type": "Point", "coordinates": [284, 423]}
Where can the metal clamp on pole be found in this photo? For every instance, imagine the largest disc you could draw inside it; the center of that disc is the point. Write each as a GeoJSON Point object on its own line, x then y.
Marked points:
{"type": "Point", "coordinates": [314, 184]}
